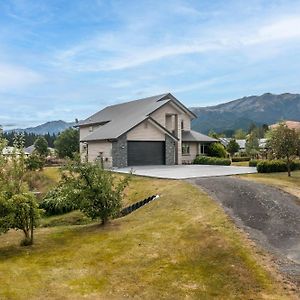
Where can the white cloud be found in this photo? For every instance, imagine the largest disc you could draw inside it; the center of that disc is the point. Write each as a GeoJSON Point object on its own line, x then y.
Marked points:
{"type": "Point", "coordinates": [12, 76]}
{"type": "Point", "coordinates": [122, 50]}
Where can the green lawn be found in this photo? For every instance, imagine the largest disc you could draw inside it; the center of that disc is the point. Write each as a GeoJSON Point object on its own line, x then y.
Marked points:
{"type": "Point", "coordinates": [179, 246]}
{"type": "Point", "coordinates": [281, 180]}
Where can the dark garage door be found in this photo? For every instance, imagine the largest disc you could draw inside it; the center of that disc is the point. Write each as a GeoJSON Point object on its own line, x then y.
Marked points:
{"type": "Point", "coordinates": [146, 153]}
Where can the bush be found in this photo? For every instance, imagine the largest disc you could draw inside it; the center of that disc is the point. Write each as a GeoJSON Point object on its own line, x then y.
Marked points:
{"type": "Point", "coordinates": [206, 160]}
{"type": "Point", "coordinates": [217, 150]}
{"type": "Point", "coordinates": [35, 162]}
{"type": "Point", "coordinates": [253, 162]}
{"type": "Point", "coordinates": [239, 158]}
{"type": "Point", "coordinates": [270, 166]}
{"type": "Point", "coordinates": [57, 202]}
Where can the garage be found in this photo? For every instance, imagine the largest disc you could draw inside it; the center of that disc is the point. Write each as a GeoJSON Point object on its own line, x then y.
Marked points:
{"type": "Point", "coordinates": [142, 153]}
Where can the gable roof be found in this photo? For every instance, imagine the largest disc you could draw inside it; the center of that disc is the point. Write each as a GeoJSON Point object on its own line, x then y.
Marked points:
{"type": "Point", "coordinates": [194, 136]}
{"type": "Point", "coordinates": [118, 119]}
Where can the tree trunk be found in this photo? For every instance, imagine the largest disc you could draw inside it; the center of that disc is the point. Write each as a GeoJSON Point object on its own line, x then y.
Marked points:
{"type": "Point", "coordinates": [288, 164]}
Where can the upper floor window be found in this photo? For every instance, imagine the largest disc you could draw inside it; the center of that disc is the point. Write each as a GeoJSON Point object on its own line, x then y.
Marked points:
{"type": "Point", "coordinates": [185, 149]}
{"type": "Point", "coordinates": [91, 129]}
{"type": "Point", "coordinates": [182, 124]}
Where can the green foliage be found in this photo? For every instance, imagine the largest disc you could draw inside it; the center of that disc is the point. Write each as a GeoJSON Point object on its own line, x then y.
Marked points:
{"type": "Point", "coordinates": [270, 166]}
{"type": "Point", "coordinates": [67, 143]}
{"type": "Point", "coordinates": [252, 144]}
{"type": "Point", "coordinates": [233, 147]}
{"type": "Point", "coordinates": [240, 158]}
{"type": "Point", "coordinates": [240, 134]}
{"type": "Point", "coordinates": [29, 138]}
{"type": "Point", "coordinates": [35, 162]}
{"type": "Point", "coordinates": [60, 200]}
{"type": "Point", "coordinates": [215, 135]}
{"type": "Point", "coordinates": [18, 208]}
{"type": "Point", "coordinates": [284, 144]}
{"type": "Point", "coordinates": [206, 160]}
{"type": "Point", "coordinates": [24, 215]}
{"type": "Point", "coordinates": [217, 150]}
{"type": "Point", "coordinates": [41, 146]}
{"type": "Point", "coordinates": [253, 162]}
{"type": "Point", "coordinates": [96, 192]}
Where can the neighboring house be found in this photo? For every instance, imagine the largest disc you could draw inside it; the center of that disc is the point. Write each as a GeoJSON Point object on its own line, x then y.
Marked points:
{"type": "Point", "coordinates": [30, 150]}
{"type": "Point", "coordinates": [242, 143]}
{"type": "Point", "coordinates": [150, 131]}
{"type": "Point", "coordinates": [9, 151]}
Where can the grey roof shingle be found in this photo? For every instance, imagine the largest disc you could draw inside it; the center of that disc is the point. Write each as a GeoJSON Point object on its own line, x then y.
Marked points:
{"type": "Point", "coordinates": [194, 136]}
{"type": "Point", "coordinates": [119, 119]}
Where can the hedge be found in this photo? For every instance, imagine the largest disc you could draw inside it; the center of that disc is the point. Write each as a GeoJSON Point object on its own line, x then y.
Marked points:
{"type": "Point", "coordinates": [270, 166]}
{"type": "Point", "coordinates": [207, 160]}
{"type": "Point", "coordinates": [253, 162]}
{"type": "Point", "coordinates": [240, 158]}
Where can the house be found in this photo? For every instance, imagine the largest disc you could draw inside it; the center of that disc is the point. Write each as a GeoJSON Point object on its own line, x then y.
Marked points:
{"type": "Point", "coordinates": [242, 143]}
{"type": "Point", "coordinates": [30, 149]}
{"type": "Point", "coordinates": [150, 131]}
{"type": "Point", "coordinates": [10, 151]}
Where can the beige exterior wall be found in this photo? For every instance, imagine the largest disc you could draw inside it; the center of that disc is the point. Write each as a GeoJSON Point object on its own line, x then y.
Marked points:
{"type": "Point", "coordinates": [188, 159]}
{"type": "Point", "coordinates": [146, 131]}
{"type": "Point", "coordinates": [186, 121]}
{"type": "Point", "coordinates": [94, 149]}
{"type": "Point", "coordinates": [160, 114]}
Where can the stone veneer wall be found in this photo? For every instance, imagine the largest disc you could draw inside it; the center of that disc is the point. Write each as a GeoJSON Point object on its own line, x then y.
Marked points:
{"type": "Point", "coordinates": [170, 151]}
{"type": "Point", "coordinates": [119, 152]}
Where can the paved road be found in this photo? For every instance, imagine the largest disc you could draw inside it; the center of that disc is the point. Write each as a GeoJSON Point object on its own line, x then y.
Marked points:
{"type": "Point", "coordinates": [269, 215]}
{"type": "Point", "coordinates": [186, 171]}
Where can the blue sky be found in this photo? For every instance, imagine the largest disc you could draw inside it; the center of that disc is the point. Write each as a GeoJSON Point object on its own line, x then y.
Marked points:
{"type": "Point", "coordinates": [67, 59]}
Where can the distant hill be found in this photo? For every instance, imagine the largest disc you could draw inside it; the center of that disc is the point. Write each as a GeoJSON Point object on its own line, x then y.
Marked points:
{"type": "Point", "coordinates": [52, 127]}
{"type": "Point", "coordinates": [241, 113]}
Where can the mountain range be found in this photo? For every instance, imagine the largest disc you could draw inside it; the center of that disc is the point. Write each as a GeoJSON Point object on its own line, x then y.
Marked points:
{"type": "Point", "coordinates": [52, 127]}
{"type": "Point", "coordinates": [241, 113]}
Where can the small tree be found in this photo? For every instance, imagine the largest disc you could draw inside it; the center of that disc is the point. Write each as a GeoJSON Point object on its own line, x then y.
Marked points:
{"type": "Point", "coordinates": [41, 146]}
{"type": "Point", "coordinates": [252, 144]}
{"type": "Point", "coordinates": [217, 150]}
{"type": "Point", "coordinates": [67, 143]}
{"type": "Point", "coordinates": [233, 147]}
{"type": "Point", "coordinates": [18, 208]}
{"type": "Point", "coordinates": [240, 134]}
{"type": "Point", "coordinates": [284, 143]}
{"type": "Point", "coordinates": [96, 192]}
{"type": "Point", "coordinates": [35, 162]}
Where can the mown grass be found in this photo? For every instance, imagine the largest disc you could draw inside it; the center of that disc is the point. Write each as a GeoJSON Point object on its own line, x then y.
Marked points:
{"type": "Point", "coordinates": [281, 180]}
{"type": "Point", "coordinates": [179, 246]}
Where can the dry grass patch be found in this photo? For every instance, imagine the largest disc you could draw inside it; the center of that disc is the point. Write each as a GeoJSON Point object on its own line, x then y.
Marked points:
{"type": "Point", "coordinates": [179, 246]}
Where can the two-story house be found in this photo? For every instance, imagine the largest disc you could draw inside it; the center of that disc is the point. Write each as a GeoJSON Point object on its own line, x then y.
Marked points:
{"type": "Point", "coordinates": [150, 131]}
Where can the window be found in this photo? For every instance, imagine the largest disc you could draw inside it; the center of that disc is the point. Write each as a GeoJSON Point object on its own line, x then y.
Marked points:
{"type": "Point", "coordinates": [182, 124]}
{"type": "Point", "coordinates": [185, 149]}
{"type": "Point", "coordinates": [91, 129]}
{"type": "Point", "coordinates": [202, 149]}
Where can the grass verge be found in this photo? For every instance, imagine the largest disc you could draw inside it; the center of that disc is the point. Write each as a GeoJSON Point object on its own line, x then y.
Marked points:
{"type": "Point", "coordinates": [280, 180]}
{"type": "Point", "coordinates": [179, 246]}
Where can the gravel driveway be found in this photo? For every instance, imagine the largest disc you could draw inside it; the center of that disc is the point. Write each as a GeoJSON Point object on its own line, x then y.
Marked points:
{"type": "Point", "coordinates": [269, 215]}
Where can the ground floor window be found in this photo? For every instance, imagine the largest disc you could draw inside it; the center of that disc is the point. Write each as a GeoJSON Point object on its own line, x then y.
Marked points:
{"type": "Point", "coordinates": [185, 149]}
{"type": "Point", "coordinates": [202, 149]}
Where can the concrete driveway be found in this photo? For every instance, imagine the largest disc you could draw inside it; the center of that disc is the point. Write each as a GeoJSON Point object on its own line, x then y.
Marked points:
{"type": "Point", "coordinates": [186, 171]}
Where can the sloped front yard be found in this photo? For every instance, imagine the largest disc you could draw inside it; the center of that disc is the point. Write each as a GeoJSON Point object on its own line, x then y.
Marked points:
{"type": "Point", "coordinates": [180, 246]}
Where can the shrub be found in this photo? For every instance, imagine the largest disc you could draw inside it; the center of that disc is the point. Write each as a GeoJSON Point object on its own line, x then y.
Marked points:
{"type": "Point", "coordinates": [253, 162]}
{"type": "Point", "coordinates": [58, 201]}
{"type": "Point", "coordinates": [239, 158]}
{"type": "Point", "coordinates": [206, 160]}
{"type": "Point", "coordinates": [217, 150]}
{"type": "Point", "coordinates": [270, 166]}
{"type": "Point", "coordinates": [35, 162]}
